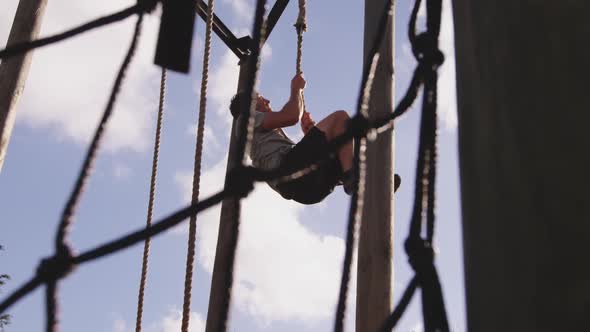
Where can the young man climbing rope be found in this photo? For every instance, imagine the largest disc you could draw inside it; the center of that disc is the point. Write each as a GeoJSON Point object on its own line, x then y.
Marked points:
{"type": "Point", "coordinates": [272, 148]}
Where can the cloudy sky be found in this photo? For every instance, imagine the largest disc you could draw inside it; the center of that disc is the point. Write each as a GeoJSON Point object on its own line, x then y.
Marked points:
{"type": "Point", "coordinates": [289, 256]}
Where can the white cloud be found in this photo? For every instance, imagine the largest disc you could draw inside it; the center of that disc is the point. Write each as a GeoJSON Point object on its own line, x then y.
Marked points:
{"type": "Point", "coordinates": [119, 325]}
{"type": "Point", "coordinates": [223, 83]}
{"type": "Point", "coordinates": [447, 96]}
{"type": "Point", "coordinates": [170, 322]}
{"type": "Point", "coordinates": [418, 327]}
{"type": "Point", "coordinates": [69, 83]}
{"type": "Point", "coordinates": [422, 10]}
{"type": "Point", "coordinates": [284, 271]}
{"type": "Point", "coordinates": [243, 9]}
{"type": "Point", "coordinates": [266, 52]}
{"type": "Point", "coordinates": [121, 171]}
{"type": "Point", "coordinates": [173, 321]}
{"type": "Point", "coordinates": [447, 92]}
{"type": "Point", "coordinates": [210, 140]}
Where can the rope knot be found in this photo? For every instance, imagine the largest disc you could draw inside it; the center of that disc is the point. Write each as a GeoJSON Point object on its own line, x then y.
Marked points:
{"type": "Point", "coordinates": [57, 266]}
{"type": "Point", "coordinates": [359, 125]}
{"type": "Point", "coordinates": [420, 253]}
{"type": "Point", "coordinates": [147, 6]}
{"type": "Point", "coordinates": [426, 50]}
{"type": "Point", "coordinates": [301, 23]}
{"type": "Point", "coordinates": [240, 181]}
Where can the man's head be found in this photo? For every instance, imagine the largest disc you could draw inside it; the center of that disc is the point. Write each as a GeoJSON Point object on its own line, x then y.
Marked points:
{"type": "Point", "coordinates": [239, 100]}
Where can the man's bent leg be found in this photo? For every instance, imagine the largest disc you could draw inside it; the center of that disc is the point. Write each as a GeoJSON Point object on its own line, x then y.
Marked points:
{"type": "Point", "coordinates": [333, 126]}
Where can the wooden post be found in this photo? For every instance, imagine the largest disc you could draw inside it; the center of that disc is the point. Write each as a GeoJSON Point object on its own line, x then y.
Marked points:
{"type": "Point", "coordinates": [218, 292]}
{"type": "Point", "coordinates": [374, 291]}
{"type": "Point", "coordinates": [524, 112]}
{"type": "Point", "coordinates": [14, 70]}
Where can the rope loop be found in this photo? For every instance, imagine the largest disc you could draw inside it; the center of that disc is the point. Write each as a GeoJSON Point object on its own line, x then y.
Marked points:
{"type": "Point", "coordinates": [57, 266]}
{"type": "Point", "coordinates": [426, 51]}
{"type": "Point", "coordinates": [240, 181]}
{"type": "Point", "coordinates": [420, 253]}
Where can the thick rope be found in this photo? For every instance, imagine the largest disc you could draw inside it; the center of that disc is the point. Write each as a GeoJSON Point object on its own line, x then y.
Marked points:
{"type": "Point", "coordinates": [190, 257]}
{"type": "Point", "coordinates": [72, 204]}
{"type": "Point", "coordinates": [301, 27]}
{"type": "Point", "coordinates": [22, 47]}
{"type": "Point", "coordinates": [61, 263]}
{"type": "Point", "coordinates": [358, 197]}
{"type": "Point", "coordinates": [146, 246]}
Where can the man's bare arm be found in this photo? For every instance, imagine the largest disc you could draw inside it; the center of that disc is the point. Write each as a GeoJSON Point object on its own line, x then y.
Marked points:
{"type": "Point", "coordinates": [290, 114]}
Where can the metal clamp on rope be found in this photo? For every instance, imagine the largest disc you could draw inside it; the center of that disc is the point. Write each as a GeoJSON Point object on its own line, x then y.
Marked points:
{"type": "Point", "coordinates": [58, 266]}
{"type": "Point", "coordinates": [240, 181]}
{"type": "Point", "coordinates": [426, 51]}
{"type": "Point", "coordinates": [176, 34]}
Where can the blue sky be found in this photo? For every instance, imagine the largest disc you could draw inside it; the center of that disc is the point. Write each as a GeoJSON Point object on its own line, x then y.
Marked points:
{"type": "Point", "coordinates": [289, 255]}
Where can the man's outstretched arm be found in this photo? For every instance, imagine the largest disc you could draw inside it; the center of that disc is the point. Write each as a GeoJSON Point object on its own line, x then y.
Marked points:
{"type": "Point", "coordinates": [290, 114]}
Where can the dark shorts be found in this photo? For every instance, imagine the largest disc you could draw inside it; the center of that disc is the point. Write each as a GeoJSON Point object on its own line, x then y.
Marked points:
{"type": "Point", "coordinates": [315, 186]}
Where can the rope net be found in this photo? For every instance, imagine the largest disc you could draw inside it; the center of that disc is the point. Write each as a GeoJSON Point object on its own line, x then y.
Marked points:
{"type": "Point", "coordinates": [241, 179]}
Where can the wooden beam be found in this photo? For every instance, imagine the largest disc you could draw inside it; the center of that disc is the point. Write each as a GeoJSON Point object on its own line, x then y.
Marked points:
{"type": "Point", "coordinates": [522, 88]}
{"type": "Point", "coordinates": [14, 70]}
{"type": "Point", "coordinates": [274, 15]}
{"type": "Point", "coordinates": [229, 206]}
{"type": "Point", "coordinates": [374, 291]}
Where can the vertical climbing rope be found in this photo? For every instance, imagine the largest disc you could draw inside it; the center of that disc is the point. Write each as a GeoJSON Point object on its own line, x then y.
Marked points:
{"type": "Point", "coordinates": [190, 257]}
{"type": "Point", "coordinates": [301, 27]}
{"type": "Point", "coordinates": [146, 247]}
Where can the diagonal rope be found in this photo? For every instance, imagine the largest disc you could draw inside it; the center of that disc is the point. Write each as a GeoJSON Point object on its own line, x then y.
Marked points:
{"type": "Point", "coordinates": [18, 48]}
{"type": "Point", "coordinates": [146, 247]}
{"type": "Point", "coordinates": [358, 197]}
{"type": "Point", "coordinates": [190, 257]}
{"type": "Point", "coordinates": [61, 263]}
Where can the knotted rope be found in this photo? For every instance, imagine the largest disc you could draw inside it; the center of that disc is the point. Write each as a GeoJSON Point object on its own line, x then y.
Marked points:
{"type": "Point", "coordinates": [146, 247]}
{"type": "Point", "coordinates": [190, 257]}
{"type": "Point", "coordinates": [301, 27]}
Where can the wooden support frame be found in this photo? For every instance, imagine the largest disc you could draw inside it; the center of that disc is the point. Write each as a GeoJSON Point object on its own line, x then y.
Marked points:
{"type": "Point", "coordinates": [375, 264]}
{"type": "Point", "coordinates": [14, 71]}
